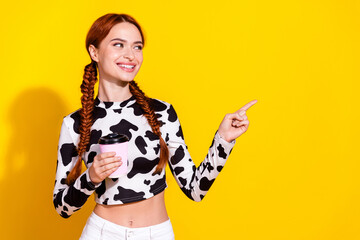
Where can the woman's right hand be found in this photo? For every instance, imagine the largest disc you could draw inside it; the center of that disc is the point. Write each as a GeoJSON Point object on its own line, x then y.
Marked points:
{"type": "Point", "coordinates": [103, 165]}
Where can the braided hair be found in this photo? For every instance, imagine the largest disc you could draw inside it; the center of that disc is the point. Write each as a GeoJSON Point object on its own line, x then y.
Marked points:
{"type": "Point", "coordinates": [98, 31]}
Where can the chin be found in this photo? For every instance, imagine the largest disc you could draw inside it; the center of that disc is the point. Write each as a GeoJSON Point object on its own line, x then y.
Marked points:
{"type": "Point", "coordinates": [126, 78]}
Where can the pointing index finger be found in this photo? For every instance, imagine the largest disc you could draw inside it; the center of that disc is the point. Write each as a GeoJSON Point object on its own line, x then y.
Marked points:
{"type": "Point", "coordinates": [248, 105]}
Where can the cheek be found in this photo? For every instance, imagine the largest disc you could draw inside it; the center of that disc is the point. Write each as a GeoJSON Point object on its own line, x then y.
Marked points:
{"type": "Point", "coordinates": [110, 55]}
{"type": "Point", "coordinates": [139, 58]}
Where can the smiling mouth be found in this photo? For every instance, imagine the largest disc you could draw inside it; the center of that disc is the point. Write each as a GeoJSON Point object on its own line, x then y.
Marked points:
{"type": "Point", "coordinates": [126, 67]}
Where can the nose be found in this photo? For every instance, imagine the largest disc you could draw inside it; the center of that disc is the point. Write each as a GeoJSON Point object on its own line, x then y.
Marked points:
{"type": "Point", "coordinates": [129, 54]}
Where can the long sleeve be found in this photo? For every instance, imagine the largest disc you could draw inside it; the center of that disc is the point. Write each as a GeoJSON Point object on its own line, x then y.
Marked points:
{"type": "Point", "coordinates": [69, 198]}
{"type": "Point", "coordinates": [194, 181]}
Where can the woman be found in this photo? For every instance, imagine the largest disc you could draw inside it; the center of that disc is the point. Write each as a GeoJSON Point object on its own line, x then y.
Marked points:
{"type": "Point", "coordinates": [132, 206]}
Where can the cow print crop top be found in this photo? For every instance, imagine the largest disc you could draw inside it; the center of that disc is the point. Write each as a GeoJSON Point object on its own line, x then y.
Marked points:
{"type": "Point", "coordinates": [126, 117]}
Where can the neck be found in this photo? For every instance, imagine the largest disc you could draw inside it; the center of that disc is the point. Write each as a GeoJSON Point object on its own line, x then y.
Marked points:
{"type": "Point", "coordinates": [114, 92]}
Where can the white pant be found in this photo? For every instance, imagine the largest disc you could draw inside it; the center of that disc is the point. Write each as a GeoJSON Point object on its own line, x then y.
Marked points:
{"type": "Point", "coordinates": [97, 228]}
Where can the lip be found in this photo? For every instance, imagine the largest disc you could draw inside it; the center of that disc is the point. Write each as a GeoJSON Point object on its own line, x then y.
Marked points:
{"type": "Point", "coordinates": [126, 63]}
{"type": "Point", "coordinates": [126, 69]}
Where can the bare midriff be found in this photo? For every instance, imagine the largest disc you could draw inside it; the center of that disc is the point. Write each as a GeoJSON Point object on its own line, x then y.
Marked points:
{"type": "Point", "coordinates": [138, 214]}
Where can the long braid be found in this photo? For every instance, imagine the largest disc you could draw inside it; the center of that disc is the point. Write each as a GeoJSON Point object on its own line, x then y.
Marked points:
{"type": "Point", "coordinates": [86, 117]}
{"type": "Point", "coordinates": [149, 113]}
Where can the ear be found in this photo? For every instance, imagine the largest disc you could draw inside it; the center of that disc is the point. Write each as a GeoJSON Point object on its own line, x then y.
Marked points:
{"type": "Point", "coordinates": [93, 53]}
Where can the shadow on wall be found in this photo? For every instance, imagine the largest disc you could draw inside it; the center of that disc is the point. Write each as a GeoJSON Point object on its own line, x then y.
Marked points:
{"type": "Point", "coordinates": [26, 207]}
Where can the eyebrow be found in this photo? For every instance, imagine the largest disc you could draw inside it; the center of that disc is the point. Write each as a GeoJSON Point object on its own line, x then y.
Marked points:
{"type": "Point", "coordinates": [123, 40]}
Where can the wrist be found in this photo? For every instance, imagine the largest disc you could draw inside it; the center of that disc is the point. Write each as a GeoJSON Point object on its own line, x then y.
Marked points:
{"type": "Point", "coordinates": [221, 136]}
{"type": "Point", "coordinates": [92, 182]}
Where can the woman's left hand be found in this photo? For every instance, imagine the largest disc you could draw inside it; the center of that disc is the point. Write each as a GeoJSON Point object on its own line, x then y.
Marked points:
{"type": "Point", "coordinates": [235, 124]}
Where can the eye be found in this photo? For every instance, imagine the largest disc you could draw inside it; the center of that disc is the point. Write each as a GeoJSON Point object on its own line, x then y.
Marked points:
{"type": "Point", "coordinates": [139, 47]}
{"type": "Point", "coordinates": [119, 44]}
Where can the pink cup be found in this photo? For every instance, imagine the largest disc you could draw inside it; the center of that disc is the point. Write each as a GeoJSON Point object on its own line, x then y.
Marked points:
{"type": "Point", "coordinates": [118, 143]}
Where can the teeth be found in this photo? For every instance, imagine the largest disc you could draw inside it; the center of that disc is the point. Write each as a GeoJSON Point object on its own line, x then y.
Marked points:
{"type": "Point", "coordinates": [127, 66]}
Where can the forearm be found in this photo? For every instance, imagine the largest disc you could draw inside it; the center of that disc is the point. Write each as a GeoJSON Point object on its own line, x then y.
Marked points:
{"type": "Point", "coordinates": [69, 199]}
{"type": "Point", "coordinates": [196, 182]}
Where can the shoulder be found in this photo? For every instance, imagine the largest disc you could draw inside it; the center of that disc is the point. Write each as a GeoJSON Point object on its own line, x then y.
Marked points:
{"type": "Point", "coordinates": [159, 105]}
{"type": "Point", "coordinates": [164, 107]}
{"type": "Point", "coordinates": [164, 110]}
{"type": "Point", "coordinates": [72, 120]}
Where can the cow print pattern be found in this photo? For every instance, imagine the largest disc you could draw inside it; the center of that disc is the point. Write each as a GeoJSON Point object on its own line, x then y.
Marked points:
{"type": "Point", "coordinates": [140, 182]}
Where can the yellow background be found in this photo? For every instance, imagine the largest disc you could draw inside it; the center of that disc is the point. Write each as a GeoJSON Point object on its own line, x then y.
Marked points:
{"type": "Point", "coordinates": [293, 175]}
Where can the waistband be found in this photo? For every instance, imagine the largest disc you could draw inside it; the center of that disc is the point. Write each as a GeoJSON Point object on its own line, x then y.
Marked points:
{"type": "Point", "coordinates": [115, 228]}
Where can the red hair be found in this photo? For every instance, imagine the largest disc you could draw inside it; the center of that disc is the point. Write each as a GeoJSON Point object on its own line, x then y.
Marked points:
{"type": "Point", "coordinates": [98, 31]}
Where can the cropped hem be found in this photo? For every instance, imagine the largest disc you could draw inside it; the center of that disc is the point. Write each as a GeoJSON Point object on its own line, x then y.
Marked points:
{"type": "Point", "coordinates": [132, 199]}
